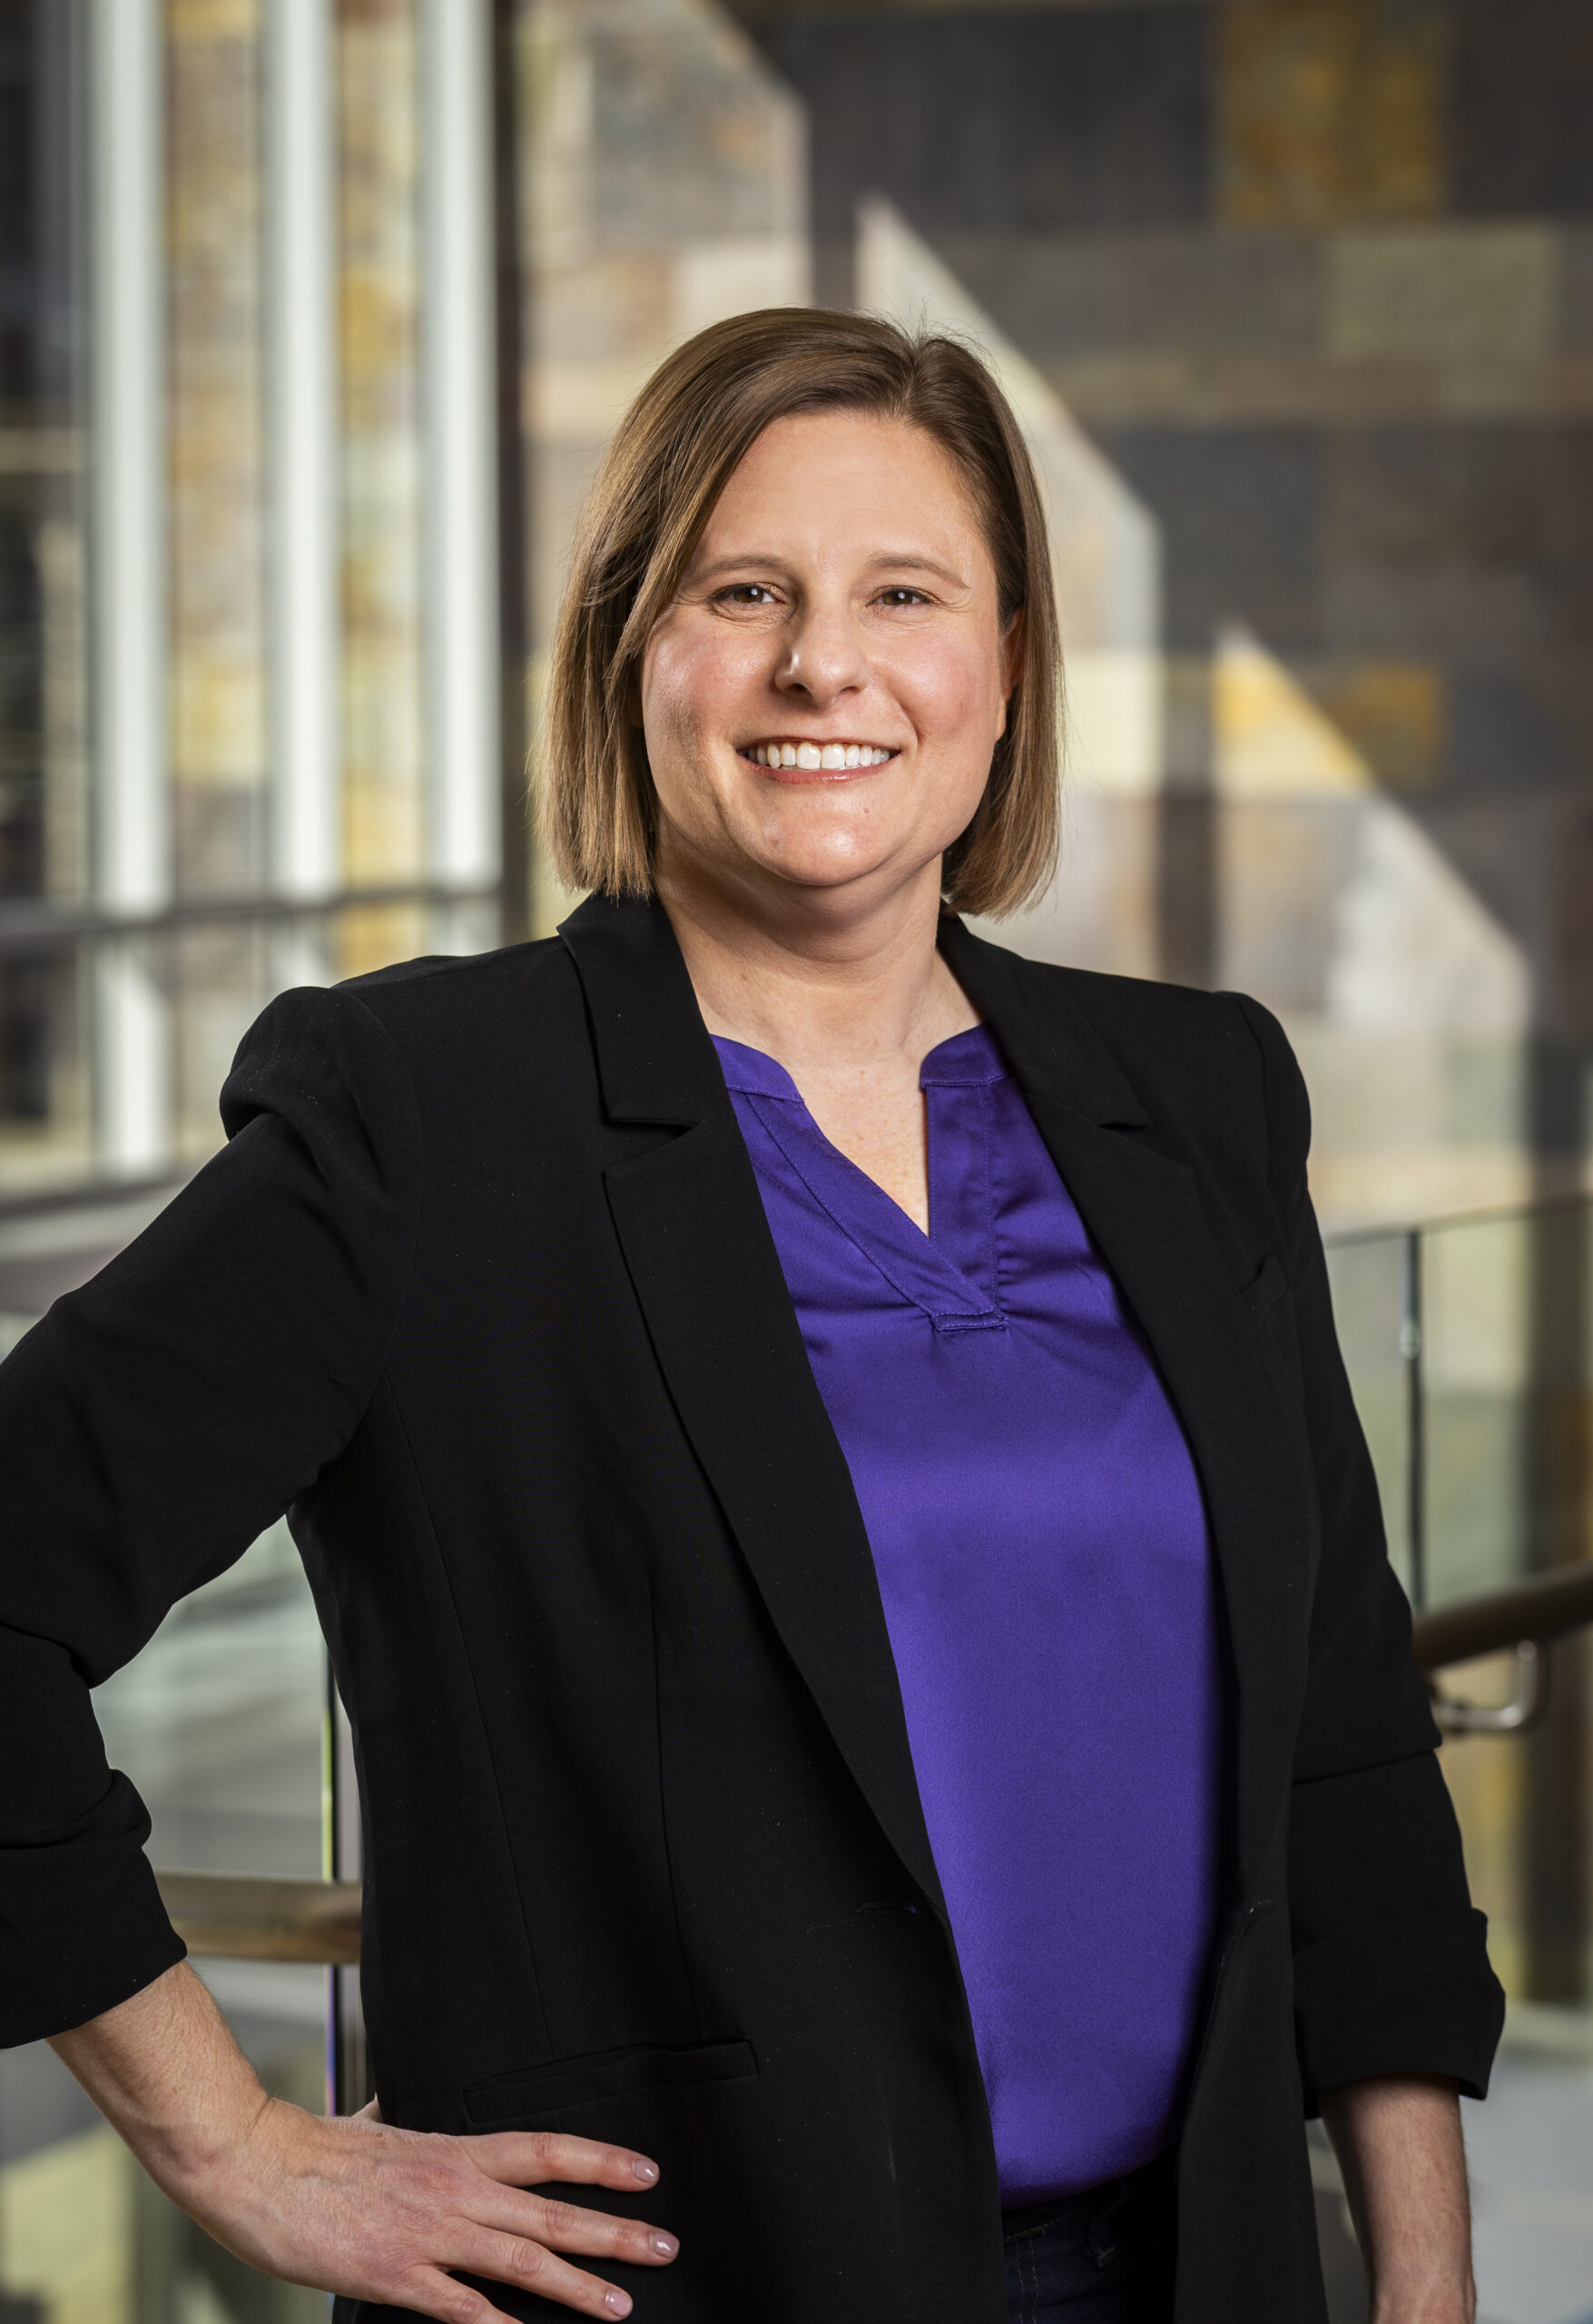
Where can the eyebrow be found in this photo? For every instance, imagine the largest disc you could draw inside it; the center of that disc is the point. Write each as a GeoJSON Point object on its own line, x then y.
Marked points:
{"type": "Point", "coordinates": [889, 560]}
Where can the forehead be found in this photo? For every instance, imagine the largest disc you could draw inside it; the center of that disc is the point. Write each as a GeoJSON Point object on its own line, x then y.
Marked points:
{"type": "Point", "coordinates": [850, 471]}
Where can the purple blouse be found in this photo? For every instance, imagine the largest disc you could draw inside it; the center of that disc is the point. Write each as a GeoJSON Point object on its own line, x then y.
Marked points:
{"type": "Point", "coordinates": [1041, 1547]}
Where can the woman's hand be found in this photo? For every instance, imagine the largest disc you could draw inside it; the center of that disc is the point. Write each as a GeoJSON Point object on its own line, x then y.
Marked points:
{"type": "Point", "coordinates": [354, 2206]}
{"type": "Point", "coordinates": [1399, 2144]}
{"type": "Point", "coordinates": [389, 2215]}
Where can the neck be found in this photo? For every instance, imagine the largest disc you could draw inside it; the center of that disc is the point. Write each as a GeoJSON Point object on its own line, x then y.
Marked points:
{"type": "Point", "coordinates": [815, 978]}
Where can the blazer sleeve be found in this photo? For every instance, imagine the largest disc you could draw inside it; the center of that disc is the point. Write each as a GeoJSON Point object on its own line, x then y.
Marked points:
{"type": "Point", "coordinates": [152, 1425]}
{"type": "Point", "coordinates": [1390, 1965]}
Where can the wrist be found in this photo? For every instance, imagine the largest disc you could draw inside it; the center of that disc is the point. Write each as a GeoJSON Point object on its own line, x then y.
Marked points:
{"type": "Point", "coordinates": [259, 2142]}
{"type": "Point", "coordinates": [1440, 2294]}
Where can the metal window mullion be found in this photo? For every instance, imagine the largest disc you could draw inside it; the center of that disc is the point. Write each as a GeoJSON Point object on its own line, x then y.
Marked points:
{"type": "Point", "coordinates": [462, 675]}
{"type": "Point", "coordinates": [301, 370]}
{"type": "Point", "coordinates": [131, 799]}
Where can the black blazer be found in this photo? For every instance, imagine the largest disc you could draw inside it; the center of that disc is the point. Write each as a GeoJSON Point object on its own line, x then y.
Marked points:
{"type": "Point", "coordinates": [482, 1288]}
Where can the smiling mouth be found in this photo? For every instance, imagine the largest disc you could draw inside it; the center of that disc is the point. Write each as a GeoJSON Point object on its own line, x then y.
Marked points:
{"type": "Point", "coordinates": [816, 758]}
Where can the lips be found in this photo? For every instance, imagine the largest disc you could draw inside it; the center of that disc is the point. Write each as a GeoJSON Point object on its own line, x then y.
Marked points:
{"type": "Point", "coordinates": [814, 758]}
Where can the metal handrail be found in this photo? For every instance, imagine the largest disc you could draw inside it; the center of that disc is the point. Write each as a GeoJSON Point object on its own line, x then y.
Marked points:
{"type": "Point", "coordinates": [244, 1918]}
{"type": "Point", "coordinates": [32, 924]}
{"type": "Point", "coordinates": [1531, 1612]}
{"type": "Point", "coordinates": [1486, 1214]}
{"type": "Point", "coordinates": [1528, 1617]}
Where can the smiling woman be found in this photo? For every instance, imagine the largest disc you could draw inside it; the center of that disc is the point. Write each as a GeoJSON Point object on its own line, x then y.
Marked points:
{"type": "Point", "coordinates": [890, 1766]}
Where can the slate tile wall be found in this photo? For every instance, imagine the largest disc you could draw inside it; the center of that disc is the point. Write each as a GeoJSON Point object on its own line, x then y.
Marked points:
{"type": "Point", "coordinates": [1023, 122]}
{"type": "Point", "coordinates": [1521, 99]}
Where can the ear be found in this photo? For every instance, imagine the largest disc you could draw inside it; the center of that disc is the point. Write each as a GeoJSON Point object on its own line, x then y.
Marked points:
{"type": "Point", "coordinates": [1012, 650]}
{"type": "Point", "coordinates": [1012, 645]}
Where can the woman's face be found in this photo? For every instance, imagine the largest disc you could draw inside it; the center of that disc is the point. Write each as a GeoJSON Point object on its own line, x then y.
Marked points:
{"type": "Point", "coordinates": [822, 700]}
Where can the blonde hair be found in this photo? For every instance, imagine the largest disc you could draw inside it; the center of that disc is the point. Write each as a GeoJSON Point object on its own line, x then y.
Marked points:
{"type": "Point", "coordinates": [668, 462]}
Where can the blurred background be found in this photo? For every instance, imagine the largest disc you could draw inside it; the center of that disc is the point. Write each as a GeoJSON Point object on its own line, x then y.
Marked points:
{"type": "Point", "coordinates": [314, 318]}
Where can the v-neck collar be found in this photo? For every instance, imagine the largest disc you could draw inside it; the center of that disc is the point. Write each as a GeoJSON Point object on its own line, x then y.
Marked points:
{"type": "Point", "coordinates": [915, 1266]}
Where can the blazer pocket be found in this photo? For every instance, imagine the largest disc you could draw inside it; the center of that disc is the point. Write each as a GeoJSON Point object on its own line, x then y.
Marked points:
{"type": "Point", "coordinates": [1263, 1292]}
{"type": "Point", "coordinates": [607, 2074]}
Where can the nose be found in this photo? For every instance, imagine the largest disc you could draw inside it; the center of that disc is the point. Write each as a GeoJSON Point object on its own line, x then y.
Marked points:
{"type": "Point", "coordinates": [824, 658]}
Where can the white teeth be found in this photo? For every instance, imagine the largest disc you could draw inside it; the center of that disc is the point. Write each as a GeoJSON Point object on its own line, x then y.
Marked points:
{"type": "Point", "coordinates": [812, 756]}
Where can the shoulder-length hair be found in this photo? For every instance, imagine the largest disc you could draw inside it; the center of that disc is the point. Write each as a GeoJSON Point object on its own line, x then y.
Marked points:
{"type": "Point", "coordinates": [666, 467]}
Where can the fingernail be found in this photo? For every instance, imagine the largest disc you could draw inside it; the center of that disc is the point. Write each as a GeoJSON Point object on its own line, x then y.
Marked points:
{"type": "Point", "coordinates": [664, 2245]}
{"type": "Point", "coordinates": [645, 2172]}
{"type": "Point", "coordinates": [618, 2303]}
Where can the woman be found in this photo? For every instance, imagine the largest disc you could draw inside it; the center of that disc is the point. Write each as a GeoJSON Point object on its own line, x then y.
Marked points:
{"type": "Point", "coordinates": [891, 1771]}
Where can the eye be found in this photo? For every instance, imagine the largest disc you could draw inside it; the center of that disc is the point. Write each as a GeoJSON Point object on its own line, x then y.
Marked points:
{"type": "Point", "coordinates": [755, 594]}
{"type": "Point", "coordinates": [902, 594]}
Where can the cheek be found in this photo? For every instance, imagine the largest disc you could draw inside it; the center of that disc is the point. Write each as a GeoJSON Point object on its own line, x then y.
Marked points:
{"type": "Point", "coordinates": [690, 685]}
{"type": "Point", "coordinates": [954, 699]}
{"type": "Point", "coordinates": [674, 681]}
{"type": "Point", "coordinates": [679, 685]}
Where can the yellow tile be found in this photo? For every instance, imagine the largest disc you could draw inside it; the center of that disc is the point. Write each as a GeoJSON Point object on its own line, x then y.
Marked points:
{"type": "Point", "coordinates": [1269, 739]}
{"type": "Point", "coordinates": [1328, 110]}
{"type": "Point", "coordinates": [1392, 714]}
{"type": "Point", "coordinates": [372, 940]}
{"type": "Point", "coordinates": [218, 717]}
{"type": "Point", "coordinates": [384, 838]}
{"type": "Point", "coordinates": [380, 486]}
{"type": "Point", "coordinates": [1280, 731]}
{"type": "Point", "coordinates": [211, 20]}
{"type": "Point", "coordinates": [215, 385]}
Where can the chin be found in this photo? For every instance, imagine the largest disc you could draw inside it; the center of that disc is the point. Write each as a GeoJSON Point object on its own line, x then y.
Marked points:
{"type": "Point", "coordinates": [819, 852]}
{"type": "Point", "coordinates": [818, 868]}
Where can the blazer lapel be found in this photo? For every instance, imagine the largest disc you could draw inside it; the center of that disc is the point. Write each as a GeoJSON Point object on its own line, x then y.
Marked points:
{"type": "Point", "coordinates": [691, 1226]}
{"type": "Point", "coordinates": [1144, 1209]}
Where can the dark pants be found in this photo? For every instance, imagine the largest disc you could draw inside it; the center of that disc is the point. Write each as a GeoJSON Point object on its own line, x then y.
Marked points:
{"type": "Point", "coordinates": [1104, 2257]}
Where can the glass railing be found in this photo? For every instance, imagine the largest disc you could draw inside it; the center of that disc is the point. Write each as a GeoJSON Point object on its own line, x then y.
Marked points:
{"type": "Point", "coordinates": [1467, 1341]}
{"type": "Point", "coordinates": [1469, 1345]}
{"type": "Point", "coordinates": [206, 966]}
